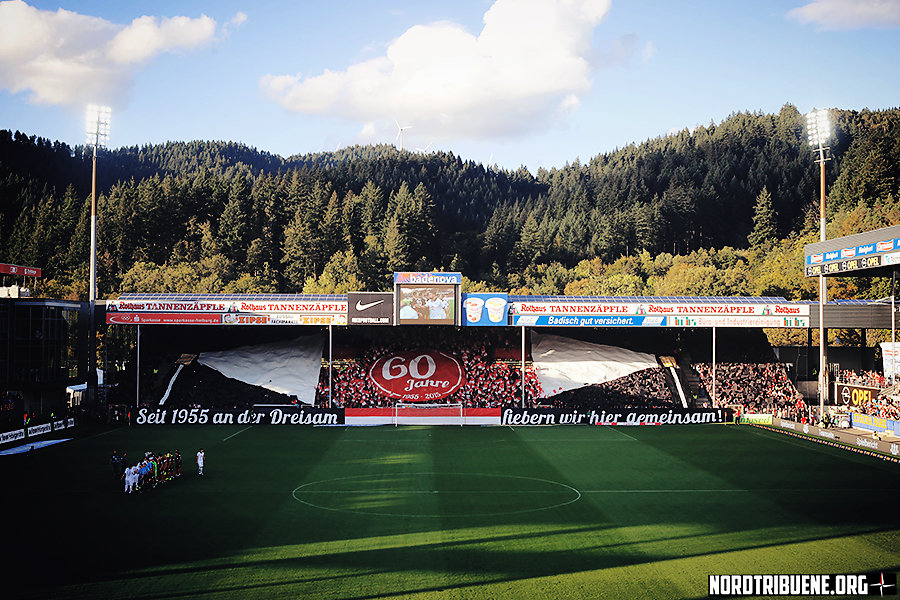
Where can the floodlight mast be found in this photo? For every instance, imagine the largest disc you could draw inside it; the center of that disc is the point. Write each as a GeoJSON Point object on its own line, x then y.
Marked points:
{"type": "Point", "coordinates": [818, 128]}
{"type": "Point", "coordinates": [97, 130]}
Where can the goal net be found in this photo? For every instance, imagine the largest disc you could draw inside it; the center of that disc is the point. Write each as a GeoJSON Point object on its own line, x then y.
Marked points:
{"type": "Point", "coordinates": [422, 413]}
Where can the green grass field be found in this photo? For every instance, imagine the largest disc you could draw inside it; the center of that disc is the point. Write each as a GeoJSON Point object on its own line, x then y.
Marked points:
{"type": "Point", "coordinates": [443, 512]}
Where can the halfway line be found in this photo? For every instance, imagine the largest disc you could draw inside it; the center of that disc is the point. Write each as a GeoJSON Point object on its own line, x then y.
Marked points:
{"type": "Point", "coordinates": [234, 434]}
{"type": "Point", "coordinates": [797, 490]}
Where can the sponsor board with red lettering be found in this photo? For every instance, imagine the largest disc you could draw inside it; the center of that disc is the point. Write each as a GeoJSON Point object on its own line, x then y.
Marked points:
{"type": "Point", "coordinates": [657, 308]}
{"type": "Point", "coordinates": [163, 319]}
{"type": "Point", "coordinates": [20, 270]}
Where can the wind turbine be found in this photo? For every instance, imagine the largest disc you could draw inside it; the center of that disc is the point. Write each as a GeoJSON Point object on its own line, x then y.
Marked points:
{"type": "Point", "coordinates": [399, 139]}
{"type": "Point", "coordinates": [425, 149]}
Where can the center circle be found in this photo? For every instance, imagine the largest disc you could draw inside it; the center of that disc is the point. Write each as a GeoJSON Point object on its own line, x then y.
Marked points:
{"type": "Point", "coordinates": [435, 495]}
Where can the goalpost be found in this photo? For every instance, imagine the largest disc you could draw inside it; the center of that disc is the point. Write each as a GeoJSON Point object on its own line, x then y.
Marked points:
{"type": "Point", "coordinates": [422, 413]}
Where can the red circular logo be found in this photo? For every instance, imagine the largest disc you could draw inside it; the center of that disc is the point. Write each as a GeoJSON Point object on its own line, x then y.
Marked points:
{"type": "Point", "coordinates": [417, 376]}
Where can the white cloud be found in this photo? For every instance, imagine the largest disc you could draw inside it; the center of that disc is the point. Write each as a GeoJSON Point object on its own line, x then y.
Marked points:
{"type": "Point", "coordinates": [148, 36]}
{"type": "Point", "coordinates": [849, 14]}
{"type": "Point", "coordinates": [64, 58]}
{"type": "Point", "coordinates": [528, 65]}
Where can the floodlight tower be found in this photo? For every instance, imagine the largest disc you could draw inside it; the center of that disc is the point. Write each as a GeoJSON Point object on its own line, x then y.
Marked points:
{"type": "Point", "coordinates": [97, 130]}
{"type": "Point", "coordinates": [818, 129]}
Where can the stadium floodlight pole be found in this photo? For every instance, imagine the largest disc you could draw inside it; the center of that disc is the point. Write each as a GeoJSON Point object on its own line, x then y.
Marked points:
{"type": "Point", "coordinates": [893, 328]}
{"type": "Point", "coordinates": [97, 130]}
{"type": "Point", "coordinates": [715, 402]}
{"type": "Point", "coordinates": [137, 375]}
{"type": "Point", "coordinates": [818, 128]}
{"type": "Point", "coordinates": [329, 365]}
{"type": "Point", "coordinates": [523, 367]}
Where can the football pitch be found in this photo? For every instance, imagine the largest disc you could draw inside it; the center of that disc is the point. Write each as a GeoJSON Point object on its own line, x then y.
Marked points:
{"type": "Point", "coordinates": [442, 512]}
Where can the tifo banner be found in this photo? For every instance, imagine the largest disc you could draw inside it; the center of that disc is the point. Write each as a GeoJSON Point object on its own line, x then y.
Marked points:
{"type": "Point", "coordinates": [287, 415]}
{"type": "Point", "coordinates": [854, 395]}
{"type": "Point", "coordinates": [485, 309]}
{"type": "Point", "coordinates": [563, 364]}
{"type": "Point", "coordinates": [290, 367]}
{"type": "Point", "coordinates": [890, 359]}
{"type": "Point", "coordinates": [561, 416]}
{"type": "Point", "coordinates": [417, 376]}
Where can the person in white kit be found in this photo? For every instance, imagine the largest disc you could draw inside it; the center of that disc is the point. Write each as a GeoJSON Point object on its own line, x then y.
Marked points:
{"type": "Point", "coordinates": [130, 478]}
{"type": "Point", "coordinates": [200, 457]}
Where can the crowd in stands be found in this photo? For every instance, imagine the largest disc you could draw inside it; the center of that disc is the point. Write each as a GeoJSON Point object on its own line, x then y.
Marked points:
{"type": "Point", "coordinates": [201, 387]}
{"type": "Point", "coordinates": [864, 378]}
{"type": "Point", "coordinates": [148, 473]}
{"type": "Point", "coordinates": [489, 381]}
{"type": "Point", "coordinates": [645, 389]}
{"type": "Point", "coordinates": [799, 411]}
{"type": "Point", "coordinates": [491, 360]}
{"type": "Point", "coordinates": [755, 386]}
{"type": "Point", "coordinates": [882, 406]}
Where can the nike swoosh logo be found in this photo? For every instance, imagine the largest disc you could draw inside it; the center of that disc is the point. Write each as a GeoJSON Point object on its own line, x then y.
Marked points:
{"type": "Point", "coordinates": [360, 306]}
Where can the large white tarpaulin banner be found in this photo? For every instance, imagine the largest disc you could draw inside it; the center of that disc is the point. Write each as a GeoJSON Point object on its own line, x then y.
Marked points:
{"type": "Point", "coordinates": [290, 367]}
{"type": "Point", "coordinates": [563, 364]}
{"type": "Point", "coordinates": [890, 360]}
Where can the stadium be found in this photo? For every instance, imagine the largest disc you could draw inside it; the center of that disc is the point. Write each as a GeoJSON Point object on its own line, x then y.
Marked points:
{"type": "Point", "coordinates": [552, 446]}
{"type": "Point", "coordinates": [492, 300]}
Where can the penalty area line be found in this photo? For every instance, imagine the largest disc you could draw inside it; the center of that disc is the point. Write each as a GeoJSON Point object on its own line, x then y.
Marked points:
{"type": "Point", "coordinates": [234, 434]}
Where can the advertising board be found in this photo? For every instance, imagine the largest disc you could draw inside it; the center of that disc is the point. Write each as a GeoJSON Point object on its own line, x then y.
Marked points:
{"type": "Point", "coordinates": [854, 395]}
{"type": "Point", "coordinates": [370, 308]}
{"type": "Point", "coordinates": [19, 270]}
{"type": "Point", "coordinates": [226, 312]}
{"type": "Point", "coordinates": [485, 309]}
{"type": "Point", "coordinates": [658, 314]}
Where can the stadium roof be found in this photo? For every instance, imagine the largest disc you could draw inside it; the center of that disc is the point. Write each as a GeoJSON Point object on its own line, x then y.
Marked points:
{"type": "Point", "coordinates": [655, 299]}
{"type": "Point", "coordinates": [178, 297]}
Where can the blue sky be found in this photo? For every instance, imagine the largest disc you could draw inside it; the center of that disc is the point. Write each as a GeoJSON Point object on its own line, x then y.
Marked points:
{"type": "Point", "coordinates": [537, 83]}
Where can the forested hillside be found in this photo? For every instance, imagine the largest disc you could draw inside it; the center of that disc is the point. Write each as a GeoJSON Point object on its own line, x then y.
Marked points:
{"type": "Point", "coordinates": [720, 210]}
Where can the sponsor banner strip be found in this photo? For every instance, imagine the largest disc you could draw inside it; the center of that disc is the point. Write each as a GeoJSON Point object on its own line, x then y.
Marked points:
{"type": "Point", "coordinates": [865, 250]}
{"type": "Point", "coordinates": [586, 321]}
{"type": "Point", "coordinates": [650, 309]}
{"type": "Point", "coordinates": [873, 423]}
{"type": "Point", "coordinates": [119, 318]}
{"type": "Point", "coordinates": [228, 306]}
{"type": "Point", "coordinates": [12, 436]}
{"type": "Point", "coordinates": [836, 438]}
{"type": "Point", "coordinates": [389, 412]}
{"type": "Point", "coordinates": [20, 270]}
